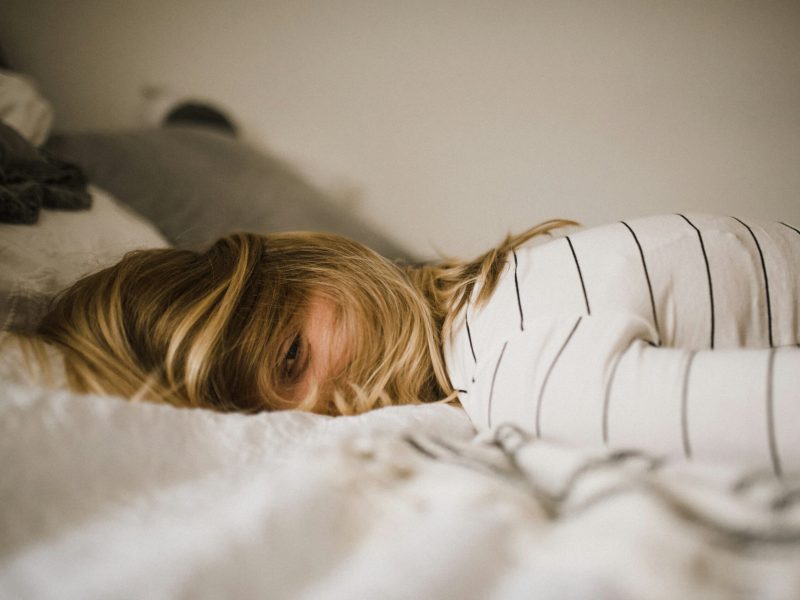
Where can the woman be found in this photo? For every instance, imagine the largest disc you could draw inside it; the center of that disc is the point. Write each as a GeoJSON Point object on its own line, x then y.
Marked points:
{"type": "Point", "coordinates": [660, 333]}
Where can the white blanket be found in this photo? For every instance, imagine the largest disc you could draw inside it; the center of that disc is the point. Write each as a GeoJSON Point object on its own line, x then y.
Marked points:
{"type": "Point", "coordinates": [106, 499]}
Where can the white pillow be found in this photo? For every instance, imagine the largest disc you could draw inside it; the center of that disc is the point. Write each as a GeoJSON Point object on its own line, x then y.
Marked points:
{"type": "Point", "coordinates": [37, 261]}
{"type": "Point", "coordinates": [24, 108]}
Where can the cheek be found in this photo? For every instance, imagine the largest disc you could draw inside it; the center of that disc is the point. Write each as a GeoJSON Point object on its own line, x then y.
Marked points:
{"type": "Point", "coordinates": [328, 338]}
{"type": "Point", "coordinates": [334, 352]}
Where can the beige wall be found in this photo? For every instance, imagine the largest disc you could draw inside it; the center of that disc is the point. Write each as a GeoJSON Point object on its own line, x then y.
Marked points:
{"type": "Point", "coordinates": [449, 123]}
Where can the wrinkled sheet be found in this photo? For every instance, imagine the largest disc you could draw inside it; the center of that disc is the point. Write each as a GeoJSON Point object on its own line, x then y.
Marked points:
{"type": "Point", "coordinates": [101, 498]}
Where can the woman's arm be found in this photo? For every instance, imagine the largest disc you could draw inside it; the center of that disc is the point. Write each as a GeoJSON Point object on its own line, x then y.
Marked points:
{"type": "Point", "coordinates": [593, 380]}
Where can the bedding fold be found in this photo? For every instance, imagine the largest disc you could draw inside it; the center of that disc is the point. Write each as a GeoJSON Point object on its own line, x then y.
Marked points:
{"type": "Point", "coordinates": [104, 498]}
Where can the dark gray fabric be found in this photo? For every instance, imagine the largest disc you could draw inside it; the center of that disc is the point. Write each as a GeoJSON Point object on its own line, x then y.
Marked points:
{"type": "Point", "coordinates": [31, 180]}
{"type": "Point", "coordinates": [196, 184]}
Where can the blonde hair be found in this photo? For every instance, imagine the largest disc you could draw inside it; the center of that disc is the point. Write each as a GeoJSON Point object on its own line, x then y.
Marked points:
{"type": "Point", "coordinates": [449, 285]}
{"type": "Point", "coordinates": [207, 329]}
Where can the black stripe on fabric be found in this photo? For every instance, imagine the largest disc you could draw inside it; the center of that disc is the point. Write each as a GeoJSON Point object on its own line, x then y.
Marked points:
{"type": "Point", "coordinates": [580, 275]}
{"type": "Point", "coordinates": [773, 444]}
{"type": "Point", "coordinates": [469, 334]}
{"type": "Point", "coordinates": [607, 397]}
{"type": "Point", "coordinates": [547, 377]}
{"type": "Point", "coordinates": [649, 285]}
{"type": "Point", "coordinates": [708, 274]}
{"type": "Point", "coordinates": [469, 337]}
{"type": "Point", "coordinates": [491, 389]}
{"type": "Point", "coordinates": [766, 279]}
{"type": "Point", "coordinates": [519, 299]}
{"type": "Point", "coordinates": [687, 447]}
{"type": "Point", "coordinates": [795, 229]}
{"type": "Point", "coordinates": [460, 391]}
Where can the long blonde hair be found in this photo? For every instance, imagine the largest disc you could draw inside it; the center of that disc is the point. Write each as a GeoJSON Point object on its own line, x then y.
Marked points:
{"type": "Point", "coordinates": [448, 285]}
{"type": "Point", "coordinates": [206, 329]}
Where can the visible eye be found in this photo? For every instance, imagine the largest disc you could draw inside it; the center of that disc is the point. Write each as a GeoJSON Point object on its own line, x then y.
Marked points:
{"type": "Point", "coordinates": [292, 360]}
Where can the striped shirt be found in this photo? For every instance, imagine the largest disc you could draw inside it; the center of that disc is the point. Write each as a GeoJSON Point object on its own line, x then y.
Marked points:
{"type": "Point", "coordinates": [675, 334]}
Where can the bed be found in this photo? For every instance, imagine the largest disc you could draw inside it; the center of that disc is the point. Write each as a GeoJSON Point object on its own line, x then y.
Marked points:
{"type": "Point", "coordinates": [107, 498]}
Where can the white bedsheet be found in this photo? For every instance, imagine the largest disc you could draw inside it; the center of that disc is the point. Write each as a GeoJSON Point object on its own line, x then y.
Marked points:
{"type": "Point", "coordinates": [105, 499]}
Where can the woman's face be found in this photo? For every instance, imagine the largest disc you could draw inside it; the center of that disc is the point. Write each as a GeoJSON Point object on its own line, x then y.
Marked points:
{"type": "Point", "coordinates": [316, 355]}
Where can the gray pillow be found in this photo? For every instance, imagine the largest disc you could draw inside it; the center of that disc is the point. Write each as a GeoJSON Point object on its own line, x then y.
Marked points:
{"type": "Point", "coordinates": [196, 184]}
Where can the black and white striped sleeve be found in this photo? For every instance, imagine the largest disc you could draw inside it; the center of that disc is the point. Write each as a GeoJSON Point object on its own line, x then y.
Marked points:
{"type": "Point", "coordinates": [739, 404]}
{"type": "Point", "coordinates": [678, 334]}
{"type": "Point", "coordinates": [595, 381]}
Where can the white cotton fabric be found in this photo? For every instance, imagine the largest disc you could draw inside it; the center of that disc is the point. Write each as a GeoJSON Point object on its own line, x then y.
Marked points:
{"type": "Point", "coordinates": [18, 366]}
{"type": "Point", "coordinates": [675, 334]}
{"type": "Point", "coordinates": [37, 261]}
{"type": "Point", "coordinates": [107, 499]}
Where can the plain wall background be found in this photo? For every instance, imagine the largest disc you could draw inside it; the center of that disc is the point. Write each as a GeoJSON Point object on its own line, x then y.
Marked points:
{"type": "Point", "coordinates": [449, 123]}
